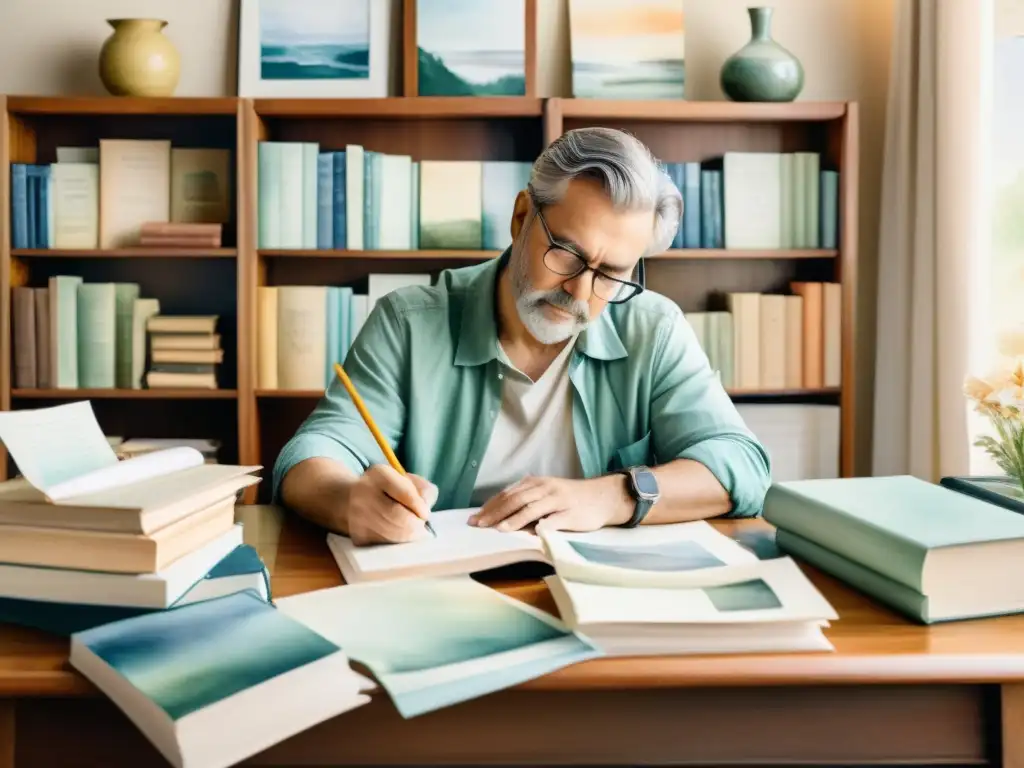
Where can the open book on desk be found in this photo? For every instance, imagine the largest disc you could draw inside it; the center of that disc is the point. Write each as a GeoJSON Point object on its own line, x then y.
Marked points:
{"type": "Point", "coordinates": [653, 555]}
{"type": "Point", "coordinates": [72, 478]}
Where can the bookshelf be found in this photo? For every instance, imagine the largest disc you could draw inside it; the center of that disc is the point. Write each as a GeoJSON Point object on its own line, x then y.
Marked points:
{"type": "Point", "coordinates": [254, 423]}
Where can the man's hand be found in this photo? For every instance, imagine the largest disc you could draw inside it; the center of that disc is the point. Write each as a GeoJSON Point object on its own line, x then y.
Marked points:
{"type": "Point", "coordinates": [385, 507]}
{"type": "Point", "coordinates": [561, 505]}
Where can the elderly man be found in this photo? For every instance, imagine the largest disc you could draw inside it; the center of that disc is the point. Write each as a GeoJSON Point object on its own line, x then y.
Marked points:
{"type": "Point", "coordinates": [547, 386]}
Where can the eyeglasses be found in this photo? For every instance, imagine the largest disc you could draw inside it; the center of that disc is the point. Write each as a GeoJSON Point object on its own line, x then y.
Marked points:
{"type": "Point", "coordinates": [562, 260]}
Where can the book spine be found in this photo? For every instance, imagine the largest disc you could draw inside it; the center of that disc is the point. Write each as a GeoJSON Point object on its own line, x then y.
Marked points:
{"type": "Point", "coordinates": [19, 205]}
{"type": "Point", "coordinates": [325, 201]}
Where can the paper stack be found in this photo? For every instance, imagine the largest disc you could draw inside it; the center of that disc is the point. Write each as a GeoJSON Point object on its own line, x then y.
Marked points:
{"type": "Point", "coordinates": [682, 588]}
{"type": "Point", "coordinates": [86, 538]}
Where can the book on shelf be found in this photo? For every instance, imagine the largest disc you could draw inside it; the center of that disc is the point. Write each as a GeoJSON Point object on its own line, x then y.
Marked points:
{"type": "Point", "coordinates": [114, 194]}
{"type": "Point", "coordinates": [78, 335]}
{"type": "Point", "coordinates": [264, 677]}
{"type": "Point", "coordinates": [931, 553]}
{"type": "Point", "coordinates": [757, 201]}
{"type": "Point", "coordinates": [353, 198]}
{"type": "Point", "coordinates": [774, 341]}
{"type": "Point", "coordinates": [303, 330]}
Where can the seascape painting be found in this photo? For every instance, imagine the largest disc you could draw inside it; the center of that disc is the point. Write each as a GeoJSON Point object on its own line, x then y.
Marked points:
{"type": "Point", "coordinates": [434, 642]}
{"type": "Point", "coordinates": [752, 595]}
{"type": "Point", "coordinates": [314, 39]}
{"type": "Point", "coordinates": [471, 47]}
{"type": "Point", "coordinates": [627, 49]}
{"type": "Point", "coordinates": [187, 658]}
{"type": "Point", "coordinates": [681, 555]}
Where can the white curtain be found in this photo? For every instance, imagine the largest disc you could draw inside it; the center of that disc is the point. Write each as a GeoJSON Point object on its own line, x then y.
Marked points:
{"type": "Point", "coordinates": [935, 236]}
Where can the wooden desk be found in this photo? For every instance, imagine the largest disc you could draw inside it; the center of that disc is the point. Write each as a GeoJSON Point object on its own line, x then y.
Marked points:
{"type": "Point", "coordinates": [893, 692]}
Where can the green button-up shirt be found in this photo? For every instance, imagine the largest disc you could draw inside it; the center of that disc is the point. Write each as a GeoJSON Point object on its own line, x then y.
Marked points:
{"type": "Point", "coordinates": [426, 364]}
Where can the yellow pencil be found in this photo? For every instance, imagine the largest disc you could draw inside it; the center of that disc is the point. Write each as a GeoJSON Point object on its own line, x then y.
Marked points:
{"type": "Point", "coordinates": [372, 426]}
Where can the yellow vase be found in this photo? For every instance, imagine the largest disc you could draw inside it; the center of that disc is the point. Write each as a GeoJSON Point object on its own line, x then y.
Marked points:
{"type": "Point", "coordinates": [137, 60]}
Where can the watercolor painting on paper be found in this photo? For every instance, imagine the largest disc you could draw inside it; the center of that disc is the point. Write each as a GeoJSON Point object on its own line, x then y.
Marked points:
{"type": "Point", "coordinates": [627, 49]}
{"type": "Point", "coordinates": [471, 47]}
{"type": "Point", "coordinates": [314, 39]}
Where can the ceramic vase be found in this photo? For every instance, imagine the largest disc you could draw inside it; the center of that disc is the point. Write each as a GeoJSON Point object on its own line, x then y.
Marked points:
{"type": "Point", "coordinates": [138, 60]}
{"type": "Point", "coordinates": [762, 70]}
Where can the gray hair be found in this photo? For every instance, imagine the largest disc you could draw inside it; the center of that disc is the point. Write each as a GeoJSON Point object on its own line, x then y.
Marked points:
{"type": "Point", "coordinates": [631, 176]}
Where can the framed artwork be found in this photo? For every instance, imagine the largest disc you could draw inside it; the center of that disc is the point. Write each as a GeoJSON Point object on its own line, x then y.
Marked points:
{"type": "Point", "coordinates": [314, 48]}
{"type": "Point", "coordinates": [627, 49]}
{"type": "Point", "coordinates": [470, 47]}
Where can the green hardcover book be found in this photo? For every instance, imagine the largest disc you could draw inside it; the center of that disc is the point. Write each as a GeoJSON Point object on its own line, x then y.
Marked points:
{"type": "Point", "coordinates": [269, 179]}
{"type": "Point", "coordinates": [97, 335]}
{"type": "Point", "coordinates": [63, 293]}
{"type": "Point", "coordinates": [310, 153]}
{"type": "Point", "coordinates": [125, 296]}
{"type": "Point", "coordinates": [916, 533]}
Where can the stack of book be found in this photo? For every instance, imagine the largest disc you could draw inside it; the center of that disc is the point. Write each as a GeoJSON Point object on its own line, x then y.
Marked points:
{"type": "Point", "coordinates": [141, 446]}
{"type": "Point", "coordinates": [184, 351]}
{"type": "Point", "coordinates": [931, 553]}
{"type": "Point", "coordinates": [86, 538]}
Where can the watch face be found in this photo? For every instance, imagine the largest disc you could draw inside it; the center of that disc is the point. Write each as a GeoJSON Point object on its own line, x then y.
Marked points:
{"type": "Point", "coordinates": [645, 482]}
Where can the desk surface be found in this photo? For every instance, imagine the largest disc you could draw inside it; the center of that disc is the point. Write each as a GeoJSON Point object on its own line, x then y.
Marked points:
{"type": "Point", "coordinates": [873, 644]}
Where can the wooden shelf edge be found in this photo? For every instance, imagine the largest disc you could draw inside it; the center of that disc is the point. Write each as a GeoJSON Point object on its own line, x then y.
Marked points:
{"type": "Point", "coordinates": [676, 254]}
{"type": "Point", "coordinates": [122, 105]}
{"type": "Point", "coordinates": [297, 394]}
{"type": "Point", "coordinates": [441, 107]}
{"type": "Point", "coordinates": [699, 111]}
{"type": "Point", "coordinates": [315, 253]}
{"type": "Point", "coordinates": [125, 394]}
{"type": "Point", "coordinates": [125, 253]}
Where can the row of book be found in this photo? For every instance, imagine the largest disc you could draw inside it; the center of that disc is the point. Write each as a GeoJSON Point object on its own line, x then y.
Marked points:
{"type": "Point", "coordinates": [102, 196]}
{"type": "Point", "coordinates": [74, 334]}
{"type": "Point", "coordinates": [303, 330]}
{"type": "Point", "coordinates": [775, 341]}
{"type": "Point", "coordinates": [360, 199]}
{"type": "Point", "coordinates": [757, 200]}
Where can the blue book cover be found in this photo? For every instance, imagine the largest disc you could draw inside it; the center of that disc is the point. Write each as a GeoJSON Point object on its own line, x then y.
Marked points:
{"type": "Point", "coordinates": [340, 202]}
{"type": "Point", "coordinates": [692, 210]}
{"type": "Point", "coordinates": [333, 330]}
{"type": "Point", "coordinates": [33, 206]}
{"type": "Point", "coordinates": [19, 205]}
{"type": "Point", "coordinates": [325, 200]}
{"type": "Point", "coordinates": [185, 659]}
{"type": "Point", "coordinates": [344, 321]}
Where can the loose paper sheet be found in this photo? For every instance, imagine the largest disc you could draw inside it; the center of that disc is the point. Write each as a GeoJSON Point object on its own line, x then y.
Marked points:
{"type": "Point", "coordinates": [439, 641]}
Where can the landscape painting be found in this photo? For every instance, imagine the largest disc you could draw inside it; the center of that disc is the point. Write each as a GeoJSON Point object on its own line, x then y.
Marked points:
{"type": "Point", "coordinates": [314, 39]}
{"type": "Point", "coordinates": [627, 49]}
{"type": "Point", "coordinates": [451, 204]}
{"type": "Point", "coordinates": [471, 47]}
{"type": "Point", "coordinates": [682, 555]}
{"type": "Point", "coordinates": [752, 595]}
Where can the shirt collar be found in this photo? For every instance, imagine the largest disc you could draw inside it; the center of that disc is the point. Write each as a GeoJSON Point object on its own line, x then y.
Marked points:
{"type": "Point", "coordinates": [478, 337]}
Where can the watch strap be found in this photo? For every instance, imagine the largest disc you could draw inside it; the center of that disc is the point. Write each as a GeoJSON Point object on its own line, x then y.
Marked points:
{"type": "Point", "coordinates": [641, 506]}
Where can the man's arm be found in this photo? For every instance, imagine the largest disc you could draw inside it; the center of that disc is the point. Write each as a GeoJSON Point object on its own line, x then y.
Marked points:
{"type": "Point", "coordinates": [712, 464]}
{"type": "Point", "coordinates": [333, 447]}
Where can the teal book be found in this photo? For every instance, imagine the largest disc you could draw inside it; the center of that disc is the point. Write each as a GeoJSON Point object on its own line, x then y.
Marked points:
{"type": "Point", "coordinates": [125, 296]}
{"type": "Point", "coordinates": [916, 533]}
{"type": "Point", "coordinates": [269, 171]}
{"type": "Point", "coordinates": [63, 293]}
{"type": "Point", "coordinates": [215, 682]}
{"type": "Point", "coordinates": [97, 335]}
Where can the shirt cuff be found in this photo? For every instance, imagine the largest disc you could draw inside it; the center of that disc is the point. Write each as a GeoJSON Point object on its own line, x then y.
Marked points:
{"type": "Point", "coordinates": [311, 445]}
{"type": "Point", "coordinates": [742, 469]}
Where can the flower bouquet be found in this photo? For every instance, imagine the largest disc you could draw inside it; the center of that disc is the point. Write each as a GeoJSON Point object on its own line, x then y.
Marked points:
{"type": "Point", "coordinates": [999, 397]}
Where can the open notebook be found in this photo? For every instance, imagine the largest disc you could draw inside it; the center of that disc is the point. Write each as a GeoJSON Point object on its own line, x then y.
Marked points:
{"type": "Point", "coordinates": [603, 556]}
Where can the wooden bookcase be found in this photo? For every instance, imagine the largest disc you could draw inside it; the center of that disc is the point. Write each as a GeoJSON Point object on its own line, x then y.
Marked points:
{"type": "Point", "coordinates": [254, 424]}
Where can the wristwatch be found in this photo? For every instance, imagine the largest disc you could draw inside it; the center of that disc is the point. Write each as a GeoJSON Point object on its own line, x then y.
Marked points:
{"type": "Point", "coordinates": [643, 487]}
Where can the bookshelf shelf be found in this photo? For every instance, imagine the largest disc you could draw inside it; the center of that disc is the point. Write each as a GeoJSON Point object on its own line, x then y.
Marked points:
{"type": "Point", "coordinates": [697, 111]}
{"type": "Point", "coordinates": [313, 253]}
{"type": "Point", "coordinates": [125, 394]}
{"type": "Point", "coordinates": [103, 105]}
{"type": "Point", "coordinates": [254, 422]}
{"type": "Point", "coordinates": [125, 253]}
{"type": "Point", "coordinates": [401, 107]}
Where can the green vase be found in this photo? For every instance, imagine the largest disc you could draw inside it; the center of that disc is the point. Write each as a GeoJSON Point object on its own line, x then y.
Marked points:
{"type": "Point", "coordinates": [762, 70]}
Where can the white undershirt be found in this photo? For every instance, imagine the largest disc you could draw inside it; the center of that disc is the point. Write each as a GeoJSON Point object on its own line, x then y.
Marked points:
{"type": "Point", "coordinates": [533, 432]}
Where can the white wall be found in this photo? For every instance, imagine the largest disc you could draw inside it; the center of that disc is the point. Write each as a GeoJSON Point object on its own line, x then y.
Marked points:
{"type": "Point", "coordinates": [51, 46]}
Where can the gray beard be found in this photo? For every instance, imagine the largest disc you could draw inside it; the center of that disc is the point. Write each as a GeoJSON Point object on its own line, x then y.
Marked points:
{"type": "Point", "coordinates": [530, 305]}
